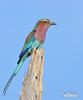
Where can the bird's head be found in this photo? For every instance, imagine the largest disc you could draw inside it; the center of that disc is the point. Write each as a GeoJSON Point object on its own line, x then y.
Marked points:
{"type": "Point", "coordinates": [41, 28]}
{"type": "Point", "coordinates": [45, 22]}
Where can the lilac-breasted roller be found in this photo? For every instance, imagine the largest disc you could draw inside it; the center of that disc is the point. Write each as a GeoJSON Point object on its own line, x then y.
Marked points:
{"type": "Point", "coordinates": [34, 40]}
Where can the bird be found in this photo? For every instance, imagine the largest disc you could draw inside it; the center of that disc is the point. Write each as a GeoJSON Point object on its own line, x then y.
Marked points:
{"type": "Point", "coordinates": [34, 40]}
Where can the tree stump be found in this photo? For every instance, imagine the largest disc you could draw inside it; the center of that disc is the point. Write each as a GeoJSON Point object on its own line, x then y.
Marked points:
{"type": "Point", "coordinates": [32, 83]}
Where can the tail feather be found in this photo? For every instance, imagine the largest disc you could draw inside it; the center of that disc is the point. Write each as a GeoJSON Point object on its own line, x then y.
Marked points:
{"type": "Point", "coordinates": [15, 72]}
{"type": "Point", "coordinates": [8, 83]}
{"type": "Point", "coordinates": [12, 77]}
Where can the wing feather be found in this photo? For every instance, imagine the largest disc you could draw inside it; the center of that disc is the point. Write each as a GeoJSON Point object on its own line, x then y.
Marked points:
{"type": "Point", "coordinates": [29, 40]}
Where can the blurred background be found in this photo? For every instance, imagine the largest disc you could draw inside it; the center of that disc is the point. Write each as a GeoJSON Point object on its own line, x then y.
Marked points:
{"type": "Point", "coordinates": [63, 63]}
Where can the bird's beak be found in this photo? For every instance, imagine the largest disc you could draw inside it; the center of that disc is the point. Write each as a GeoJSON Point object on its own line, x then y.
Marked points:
{"type": "Point", "coordinates": [52, 23]}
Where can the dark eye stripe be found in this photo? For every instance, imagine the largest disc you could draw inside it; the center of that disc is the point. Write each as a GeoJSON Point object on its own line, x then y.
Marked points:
{"type": "Point", "coordinates": [47, 21]}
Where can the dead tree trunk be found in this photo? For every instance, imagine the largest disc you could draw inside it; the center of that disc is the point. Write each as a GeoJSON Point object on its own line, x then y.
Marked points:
{"type": "Point", "coordinates": [32, 83]}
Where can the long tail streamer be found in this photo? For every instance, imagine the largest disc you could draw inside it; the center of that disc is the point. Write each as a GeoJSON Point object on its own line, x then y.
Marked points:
{"type": "Point", "coordinates": [14, 74]}
{"type": "Point", "coordinates": [8, 83]}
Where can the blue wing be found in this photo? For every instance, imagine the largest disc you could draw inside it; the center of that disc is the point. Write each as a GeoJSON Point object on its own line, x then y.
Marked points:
{"type": "Point", "coordinates": [30, 39]}
{"type": "Point", "coordinates": [26, 47]}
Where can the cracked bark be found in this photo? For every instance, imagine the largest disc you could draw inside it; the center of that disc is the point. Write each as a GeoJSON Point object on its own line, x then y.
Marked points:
{"type": "Point", "coordinates": [32, 83]}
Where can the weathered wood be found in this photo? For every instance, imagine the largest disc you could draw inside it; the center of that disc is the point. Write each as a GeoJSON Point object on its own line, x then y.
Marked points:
{"type": "Point", "coordinates": [32, 83]}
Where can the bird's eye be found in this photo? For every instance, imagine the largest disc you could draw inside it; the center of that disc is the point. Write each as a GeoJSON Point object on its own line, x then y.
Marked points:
{"type": "Point", "coordinates": [47, 21]}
